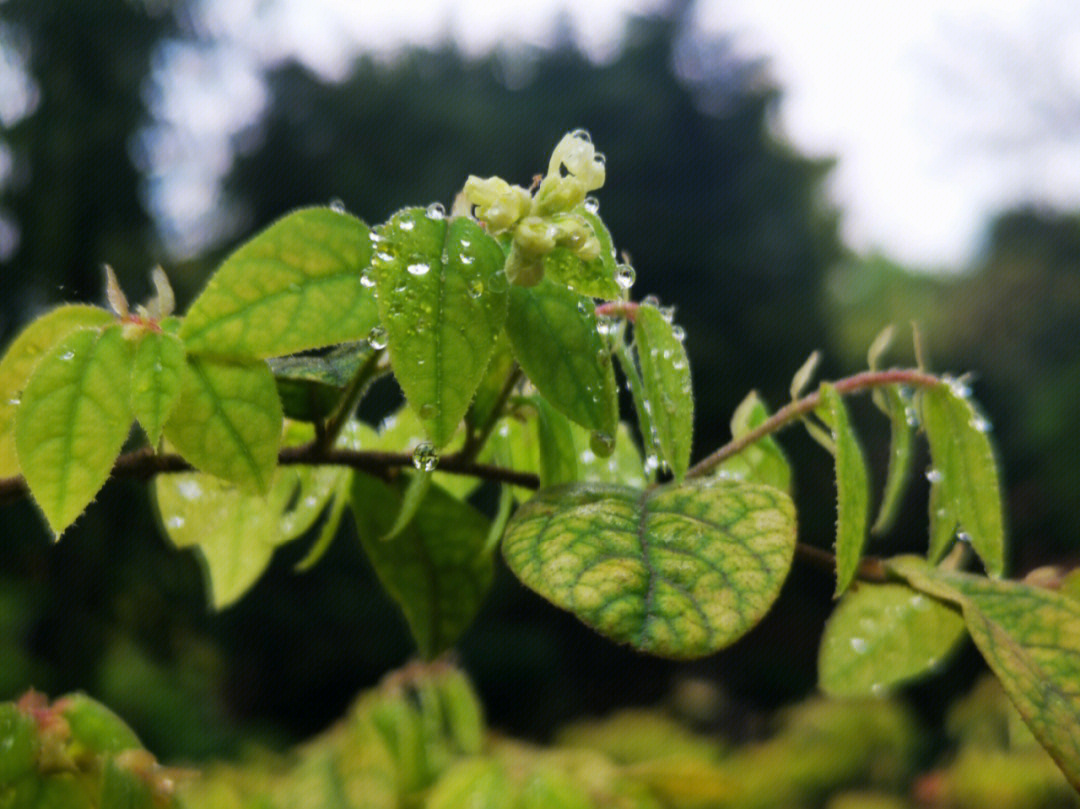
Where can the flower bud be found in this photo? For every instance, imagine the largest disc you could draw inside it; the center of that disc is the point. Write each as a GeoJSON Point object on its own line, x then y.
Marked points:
{"type": "Point", "coordinates": [535, 235]}
{"type": "Point", "coordinates": [576, 153]}
{"type": "Point", "coordinates": [558, 194]}
{"type": "Point", "coordinates": [498, 204]}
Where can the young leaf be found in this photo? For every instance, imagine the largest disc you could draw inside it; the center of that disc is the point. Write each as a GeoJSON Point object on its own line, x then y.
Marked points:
{"type": "Point", "coordinates": [491, 386]}
{"type": "Point", "coordinates": [228, 420]}
{"type": "Point", "coordinates": [235, 531]}
{"type": "Point", "coordinates": [553, 333]}
{"type": "Point", "coordinates": [763, 461]}
{"type": "Point", "coordinates": [805, 373]}
{"type": "Point", "coordinates": [155, 381]}
{"type": "Point", "coordinates": [965, 470]}
{"type": "Point", "coordinates": [512, 445]}
{"type": "Point", "coordinates": [1030, 636]}
{"type": "Point", "coordinates": [558, 454]}
{"type": "Point", "coordinates": [678, 571]}
{"type": "Point", "coordinates": [414, 495]}
{"type": "Point", "coordinates": [442, 301]}
{"type": "Point", "coordinates": [23, 355]}
{"type": "Point", "coordinates": [294, 286]}
{"type": "Point", "coordinates": [436, 569]}
{"type": "Point", "coordinates": [852, 488]}
{"type": "Point", "coordinates": [311, 387]}
{"type": "Point", "coordinates": [73, 420]}
{"type": "Point", "coordinates": [900, 454]}
{"type": "Point", "coordinates": [881, 636]}
{"type": "Point", "coordinates": [665, 375]}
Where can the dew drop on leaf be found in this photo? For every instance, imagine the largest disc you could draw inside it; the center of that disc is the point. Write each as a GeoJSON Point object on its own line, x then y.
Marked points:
{"type": "Point", "coordinates": [366, 279]}
{"type": "Point", "coordinates": [419, 268]}
{"type": "Point", "coordinates": [582, 134]}
{"type": "Point", "coordinates": [425, 457]}
{"type": "Point", "coordinates": [436, 211]}
{"type": "Point", "coordinates": [625, 276]}
{"type": "Point", "coordinates": [377, 338]}
{"type": "Point", "coordinates": [592, 205]}
{"type": "Point", "coordinates": [603, 444]}
{"type": "Point", "coordinates": [933, 475]}
{"type": "Point", "coordinates": [337, 206]}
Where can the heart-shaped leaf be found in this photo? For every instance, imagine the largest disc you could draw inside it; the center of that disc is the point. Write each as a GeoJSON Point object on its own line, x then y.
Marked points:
{"type": "Point", "coordinates": [679, 571]}
{"type": "Point", "coordinates": [881, 636]}
{"type": "Point", "coordinates": [74, 417]}
{"type": "Point", "coordinates": [442, 301]}
{"type": "Point", "coordinates": [555, 340]}
{"type": "Point", "coordinates": [1030, 636]}
{"type": "Point", "coordinates": [228, 420]}
{"type": "Point", "coordinates": [24, 353]}
{"type": "Point", "coordinates": [294, 286]}
{"type": "Point", "coordinates": [436, 568]}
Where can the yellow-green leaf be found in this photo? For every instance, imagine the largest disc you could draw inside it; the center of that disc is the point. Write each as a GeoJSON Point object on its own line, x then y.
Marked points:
{"type": "Point", "coordinates": [442, 301]}
{"type": "Point", "coordinates": [436, 568]}
{"type": "Point", "coordinates": [555, 340]}
{"type": "Point", "coordinates": [852, 488]}
{"type": "Point", "coordinates": [1030, 636]}
{"type": "Point", "coordinates": [294, 286]}
{"type": "Point", "coordinates": [665, 376]}
{"type": "Point", "coordinates": [901, 441]}
{"type": "Point", "coordinates": [23, 355]}
{"type": "Point", "coordinates": [555, 439]}
{"type": "Point", "coordinates": [74, 417]}
{"type": "Point", "coordinates": [678, 571]}
{"type": "Point", "coordinates": [236, 531]}
{"type": "Point", "coordinates": [965, 471]}
{"type": "Point", "coordinates": [228, 420]}
{"type": "Point", "coordinates": [763, 461]}
{"type": "Point", "coordinates": [881, 636]}
{"type": "Point", "coordinates": [155, 381]}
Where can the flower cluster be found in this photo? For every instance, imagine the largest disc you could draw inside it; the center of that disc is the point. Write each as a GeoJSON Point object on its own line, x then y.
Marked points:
{"type": "Point", "coordinates": [539, 223]}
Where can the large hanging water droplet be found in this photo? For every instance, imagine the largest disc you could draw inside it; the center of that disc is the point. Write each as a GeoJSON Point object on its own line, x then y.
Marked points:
{"type": "Point", "coordinates": [337, 206]}
{"type": "Point", "coordinates": [436, 211]}
{"type": "Point", "coordinates": [603, 444]}
{"type": "Point", "coordinates": [425, 457]}
{"type": "Point", "coordinates": [625, 276]}
{"type": "Point", "coordinates": [592, 205]}
{"type": "Point", "coordinates": [377, 338]}
{"type": "Point", "coordinates": [419, 268]}
{"type": "Point", "coordinates": [605, 325]}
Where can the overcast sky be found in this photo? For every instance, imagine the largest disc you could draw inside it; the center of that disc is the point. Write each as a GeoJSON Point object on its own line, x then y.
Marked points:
{"type": "Point", "coordinates": [940, 113]}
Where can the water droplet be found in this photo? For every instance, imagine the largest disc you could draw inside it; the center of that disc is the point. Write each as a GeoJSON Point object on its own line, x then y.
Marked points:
{"type": "Point", "coordinates": [419, 268]}
{"type": "Point", "coordinates": [189, 489]}
{"type": "Point", "coordinates": [377, 337]}
{"type": "Point", "coordinates": [67, 355]}
{"type": "Point", "coordinates": [467, 260]}
{"type": "Point", "coordinates": [668, 313]}
{"type": "Point", "coordinates": [592, 205]}
{"type": "Point", "coordinates": [407, 224]}
{"type": "Point", "coordinates": [465, 243]}
{"type": "Point", "coordinates": [375, 237]}
{"type": "Point", "coordinates": [174, 522]}
{"type": "Point", "coordinates": [678, 332]}
{"type": "Point", "coordinates": [858, 645]}
{"type": "Point", "coordinates": [600, 158]}
{"type": "Point", "coordinates": [337, 206]}
{"type": "Point", "coordinates": [384, 257]}
{"type": "Point", "coordinates": [14, 401]}
{"type": "Point", "coordinates": [652, 463]}
{"type": "Point", "coordinates": [605, 325]}
{"type": "Point", "coordinates": [963, 536]}
{"type": "Point", "coordinates": [981, 424]}
{"type": "Point", "coordinates": [581, 134]}
{"type": "Point", "coordinates": [934, 475]}
{"type": "Point", "coordinates": [428, 411]}
{"type": "Point", "coordinates": [625, 276]}
{"type": "Point", "coordinates": [588, 456]}
{"type": "Point", "coordinates": [878, 689]}
{"type": "Point", "coordinates": [366, 279]}
{"type": "Point", "coordinates": [911, 417]}
{"type": "Point", "coordinates": [311, 501]}
{"type": "Point", "coordinates": [425, 457]}
{"type": "Point", "coordinates": [582, 308]}
{"type": "Point", "coordinates": [603, 444]}
{"type": "Point", "coordinates": [436, 211]}
{"type": "Point", "coordinates": [650, 300]}
{"type": "Point", "coordinates": [476, 288]}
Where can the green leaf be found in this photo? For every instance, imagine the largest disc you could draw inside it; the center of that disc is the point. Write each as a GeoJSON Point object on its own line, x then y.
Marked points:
{"type": "Point", "coordinates": [436, 569]}
{"type": "Point", "coordinates": [236, 531]}
{"type": "Point", "coordinates": [442, 301]}
{"type": "Point", "coordinates": [491, 386]}
{"type": "Point", "coordinates": [763, 461]}
{"type": "Point", "coordinates": [901, 443]}
{"type": "Point", "coordinates": [512, 444]}
{"type": "Point", "coordinates": [294, 286]}
{"type": "Point", "coordinates": [73, 420]}
{"type": "Point", "coordinates": [411, 499]}
{"type": "Point", "coordinates": [966, 471]}
{"type": "Point", "coordinates": [665, 375]}
{"type": "Point", "coordinates": [228, 420]}
{"type": "Point", "coordinates": [852, 488]}
{"type": "Point", "coordinates": [310, 387]}
{"type": "Point", "coordinates": [554, 336]}
{"type": "Point", "coordinates": [558, 454]}
{"type": "Point", "coordinates": [678, 571]}
{"type": "Point", "coordinates": [23, 355]}
{"type": "Point", "coordinates": [1030, 636]}
{"type": "Point", "coordinates": [155, 381]}
{"type": "Point", "coordinates": [881, 636]}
